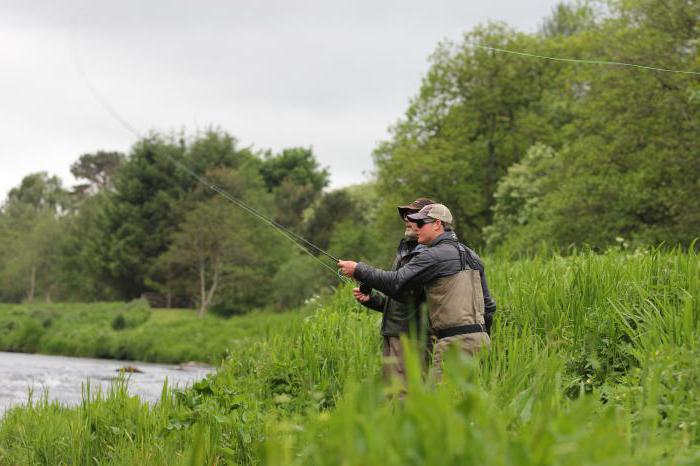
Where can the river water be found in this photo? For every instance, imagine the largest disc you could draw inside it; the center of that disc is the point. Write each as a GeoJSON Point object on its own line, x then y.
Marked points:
{"type": "Point", "coordinates": [63, 377]}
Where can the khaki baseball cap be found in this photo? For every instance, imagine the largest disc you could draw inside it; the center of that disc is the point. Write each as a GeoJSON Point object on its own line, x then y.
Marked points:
{"type": "Point", "coordinates": [414, 206]}
{"type": "Point", "coordinates": [434, 211]}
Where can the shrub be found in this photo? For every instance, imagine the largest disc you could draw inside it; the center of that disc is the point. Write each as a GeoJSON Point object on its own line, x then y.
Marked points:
{"type": "Point", "coordinates": [119, 322]}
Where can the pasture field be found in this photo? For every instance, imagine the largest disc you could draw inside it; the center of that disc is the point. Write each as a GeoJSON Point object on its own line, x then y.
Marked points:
{"type": "Point", "coordinates": [131, 331]}
{"type": "Point", "coordinates": [593, 362]}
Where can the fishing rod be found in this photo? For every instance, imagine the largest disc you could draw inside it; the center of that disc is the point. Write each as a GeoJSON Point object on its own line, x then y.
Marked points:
{"type": "Point", "coordinates": [295, 238]}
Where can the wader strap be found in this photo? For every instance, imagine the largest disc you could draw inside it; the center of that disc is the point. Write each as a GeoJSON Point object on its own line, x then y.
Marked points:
{"type": "Point", "coordinates": [460, 330]}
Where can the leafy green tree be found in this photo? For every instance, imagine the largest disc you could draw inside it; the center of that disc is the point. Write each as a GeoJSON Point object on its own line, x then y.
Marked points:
{"type": "Point", "coordinates": [141, 214]}
{"type": "Point", "coordinates": [476, 113]}
{"type": "Point", "coordinates": [30, 258]}
{"type": "Point", "coordinates": [81, 256]}
{"type": "Point", "coordinates": [300, 278]}
{"type": "Point", "coordinates": [353, 240]}
{"type": "Point", "coordinates": [332, 208]}
{"type": "Point", "coordinates": [297, 165]}
{"type": "Point", "coordinates": [147, 205]}
{"type": "Point", "coordinates": [626, 138]}
{"type": "Point", "coordinates": [221, 255]}
{"type": "Point", "coordinates": [97, 169]}
{"type": "Point", "coordinates": [201, 248]}
{"type": "Point", "coordinates": [629, 167]}
{"type": "Point", "coordinates": [568, 19]}
{"type": "Point", "coordinates": [296, 181]}
{"type": "Point", "coordinates": [31, 227]}
{"type": "Point", "coordinates": [519, 197]}
{"type": "Point", "coordinates": [38, 191]}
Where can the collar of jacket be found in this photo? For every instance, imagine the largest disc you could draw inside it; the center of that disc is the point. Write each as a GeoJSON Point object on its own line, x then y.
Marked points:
{"type": "Point", "coordinates": [446, 236]}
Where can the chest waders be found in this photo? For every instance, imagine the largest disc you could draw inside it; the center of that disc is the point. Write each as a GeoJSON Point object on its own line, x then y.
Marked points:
{"type": "Point", "coordinates": [456, 312]}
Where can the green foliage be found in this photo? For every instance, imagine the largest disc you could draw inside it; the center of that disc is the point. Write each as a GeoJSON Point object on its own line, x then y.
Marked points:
{"type": "Point", "coordinates": [31, 225]}
{"type": "Point", "coordinates": [526, 152]}
{"type": "Point", "coordinates": [141, 214]}
{"type": "Point", "coordinates": [38, 191]}
{"type": "Point", "coordinates": [625, 138]}
{"type": "Point", "coordinates": [300, 278]}
{"type": "Point", "coordinates": [221, 418]}
{"type": "Point", "coordinates": [144, 224]}
{"type": "Point", "coordinates": [297, 165]}
{"type": "Point", "coordinates": [98, 169]}
{"type": "Point", "coordinates": [332, 208]}
{"type": "Point", "coordinates": [572, 18]}
{"type": "Point", "coordinates": [130, 331]}
{"type": "Point", "coordinates": [30, 260]}
{"type": "Point", "coordinates": [80, 255]}
{"type": "Point", "coordinates": [627, 170]}
{"type": "Point", "coordinates": [295, 180]}
{"type": "Point", "coordinates": [593, 361]}
{"type": "Point", "coordinates": [476, 114]}
{"type": "Point", "coordinates": [519, 195]}
{"type": "Point", "coordinates": [355, 240]}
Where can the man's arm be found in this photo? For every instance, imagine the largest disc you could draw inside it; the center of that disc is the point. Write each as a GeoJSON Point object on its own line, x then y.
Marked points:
{"type": "Point", "coordinates": [419, 271]}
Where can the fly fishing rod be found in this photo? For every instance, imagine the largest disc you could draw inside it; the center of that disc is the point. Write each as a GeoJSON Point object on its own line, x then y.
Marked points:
{"type": "Point", "coordinates": [302, 243]}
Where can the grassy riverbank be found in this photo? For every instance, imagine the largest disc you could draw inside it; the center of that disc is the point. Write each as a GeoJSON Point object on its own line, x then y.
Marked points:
{"type": "Point", "coordinates": [131, 331]}
{"type": "Point", "coordinates": [594, 361]}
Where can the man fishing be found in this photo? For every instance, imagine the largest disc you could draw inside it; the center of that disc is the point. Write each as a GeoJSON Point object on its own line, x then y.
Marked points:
{"type": "Point", "coordinates": [451, 275]}
{"type": "Point", "coordinates": [400, 314]}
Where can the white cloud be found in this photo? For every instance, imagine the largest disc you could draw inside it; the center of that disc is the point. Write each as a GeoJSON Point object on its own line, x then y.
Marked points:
{"type": "Point", "coordinates": [332, 75]}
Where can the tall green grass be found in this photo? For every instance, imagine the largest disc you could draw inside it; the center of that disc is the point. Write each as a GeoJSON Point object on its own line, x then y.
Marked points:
{"type": "Point", "coordinates": [593, 361]}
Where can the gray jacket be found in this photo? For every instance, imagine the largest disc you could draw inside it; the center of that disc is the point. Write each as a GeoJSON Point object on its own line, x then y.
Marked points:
{"type": "Point", "coordinates": [441, 259]}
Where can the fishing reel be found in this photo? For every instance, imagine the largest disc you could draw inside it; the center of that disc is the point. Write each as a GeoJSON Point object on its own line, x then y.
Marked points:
{"type": "Point", "coordinates": [365, 289]}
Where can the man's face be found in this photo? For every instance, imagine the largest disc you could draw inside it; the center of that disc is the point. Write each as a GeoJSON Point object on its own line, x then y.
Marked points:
{"type": "Point", "coordinates": [409, 227]}
{"type": "Point", "coordinates": [427, 231]}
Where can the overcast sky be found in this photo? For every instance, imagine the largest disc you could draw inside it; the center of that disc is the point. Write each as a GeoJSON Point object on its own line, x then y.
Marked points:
{"type": "Point", "coordinates": [328, 74]}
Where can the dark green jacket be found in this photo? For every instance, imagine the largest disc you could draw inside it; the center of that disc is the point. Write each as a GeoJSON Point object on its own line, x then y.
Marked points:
{"type": "Point", "coordinates": [400, 313]}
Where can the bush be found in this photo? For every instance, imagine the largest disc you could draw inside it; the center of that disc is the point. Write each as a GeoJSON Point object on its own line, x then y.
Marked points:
{"type": "Point", "coordinates": [137, 313]}
{"type": "Point", "coordinates": [119, 322]}
{"type": "Point", "coordinates": [28, 337]}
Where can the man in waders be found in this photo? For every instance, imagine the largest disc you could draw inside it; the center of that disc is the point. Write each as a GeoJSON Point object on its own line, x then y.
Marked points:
{"type": "Point", "coordinates": [401, 313]}
{"type": "Point", "coordinates": [452, 277]}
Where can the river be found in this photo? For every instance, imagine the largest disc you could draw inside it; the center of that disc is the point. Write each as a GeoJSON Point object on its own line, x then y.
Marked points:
{"type": "Point", "coordinates": [63, 377]}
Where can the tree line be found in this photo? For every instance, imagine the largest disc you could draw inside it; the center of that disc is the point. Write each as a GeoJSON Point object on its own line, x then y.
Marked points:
{"type": "Point", "coordinates": [137, 223]}
{"type": "Point", "coordinates": [530, 151]}
{"type": "Point", "coordinates": [524, 151]}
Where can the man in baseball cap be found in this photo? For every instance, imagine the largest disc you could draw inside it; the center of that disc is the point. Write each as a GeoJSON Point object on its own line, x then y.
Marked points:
{"type": "Point", "coordinates": [400, 314]}
{"type": "Point", "coordinates": [438, 216]}
{"type": "Point", "coordinates": [451, 275]}
{"type": "Point", "coordinates": [438, 212]}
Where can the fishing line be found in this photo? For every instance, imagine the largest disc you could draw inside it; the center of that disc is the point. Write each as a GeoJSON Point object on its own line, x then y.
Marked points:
{"type": "Point", "coordinates": [583, 61]}
{"type": "Point", "coordinates": [284, 231]}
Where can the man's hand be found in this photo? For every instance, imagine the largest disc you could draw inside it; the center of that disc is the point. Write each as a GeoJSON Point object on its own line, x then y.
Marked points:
{"type": "Point", "coordinates": [347, 268]}
{"type": "Point", "coordinates": [360, 296]}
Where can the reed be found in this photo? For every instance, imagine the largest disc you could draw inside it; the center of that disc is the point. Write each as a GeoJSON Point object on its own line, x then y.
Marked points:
{"type": "Point", "coordinates": [594, 361]}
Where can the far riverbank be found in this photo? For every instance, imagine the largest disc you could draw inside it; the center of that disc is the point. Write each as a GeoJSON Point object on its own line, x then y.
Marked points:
{"type": "Point", "coordinates": [131, 331]}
